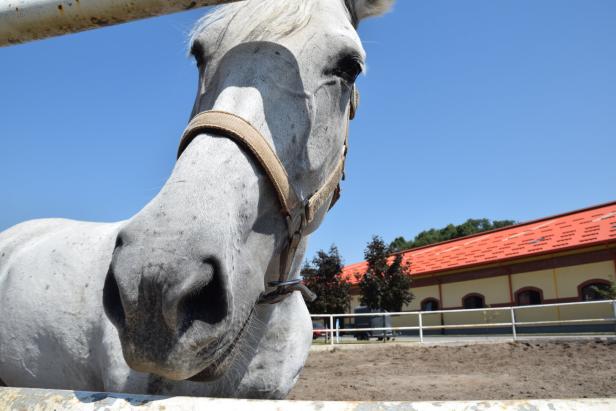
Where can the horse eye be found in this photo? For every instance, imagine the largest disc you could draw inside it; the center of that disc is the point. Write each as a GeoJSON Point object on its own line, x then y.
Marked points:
{"type": "Point", "coordinates": [348, 68]}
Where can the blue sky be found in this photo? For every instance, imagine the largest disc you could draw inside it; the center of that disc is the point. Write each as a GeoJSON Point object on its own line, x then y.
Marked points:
{"type": "Point", "coordinates": [504, 110]}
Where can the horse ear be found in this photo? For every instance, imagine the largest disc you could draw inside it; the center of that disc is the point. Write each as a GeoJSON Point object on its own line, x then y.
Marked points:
{"type": "Point", "coordinates": [370, 8]}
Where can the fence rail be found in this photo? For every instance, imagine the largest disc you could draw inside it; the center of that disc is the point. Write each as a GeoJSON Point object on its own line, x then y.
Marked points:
{"type": "Point", "coordinates": [26, 20]}
{"type": "Point", "coordinates": [333, 331]}
{"type": "Point", "coordinates": [43, 400]}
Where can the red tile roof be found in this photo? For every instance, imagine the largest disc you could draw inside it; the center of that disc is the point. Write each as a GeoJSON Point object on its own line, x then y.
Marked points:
{"type": "Point", "coordinates": [577, 229]}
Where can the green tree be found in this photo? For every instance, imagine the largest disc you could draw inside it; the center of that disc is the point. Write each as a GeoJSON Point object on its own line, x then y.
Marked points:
{"type": "Point", "coordinates": [450, 232]}
{"type": "Point", "coordinates": [399, 243]}
{"type": "Point", "coordinates": [607, 292]}
{"type": "Point", "coordinates": [386, 282]}
{"type": "Point", "coordinates": [324, 276]}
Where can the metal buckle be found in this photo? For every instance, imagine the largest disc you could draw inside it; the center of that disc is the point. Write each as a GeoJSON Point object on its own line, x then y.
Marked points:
{"type": "Point", "coordinates": [285, 288]}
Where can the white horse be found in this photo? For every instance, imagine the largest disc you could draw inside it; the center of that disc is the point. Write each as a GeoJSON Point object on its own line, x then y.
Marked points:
{"type": "Point", "coordinates": [168, 301]}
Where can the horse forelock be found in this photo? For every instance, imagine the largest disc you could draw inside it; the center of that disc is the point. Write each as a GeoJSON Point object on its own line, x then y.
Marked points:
{"type": "Point", "coordinates": [258, 19]}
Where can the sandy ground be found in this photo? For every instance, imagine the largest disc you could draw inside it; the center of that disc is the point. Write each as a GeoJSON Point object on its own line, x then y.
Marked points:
{"type": "Point", "coordinates": [467, 372]}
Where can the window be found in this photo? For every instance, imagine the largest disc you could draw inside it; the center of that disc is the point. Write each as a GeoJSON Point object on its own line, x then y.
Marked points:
{"type": "Point", "coordinates": [593, 290]}
{"type": "Point", "coordinates": [429, 304]}
{"type": "Point", "coordinates": [529, 296]}
{"type": "Point", "coordinates": [473, 301]}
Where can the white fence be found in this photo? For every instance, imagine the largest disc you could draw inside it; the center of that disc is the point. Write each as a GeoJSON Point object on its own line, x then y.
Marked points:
{"type": "Point", "coordinates": [52, 400]}
{"type": "Point", "coordinates": [334, 331]}
{"type": "Point", "coordinates": [25, 20]}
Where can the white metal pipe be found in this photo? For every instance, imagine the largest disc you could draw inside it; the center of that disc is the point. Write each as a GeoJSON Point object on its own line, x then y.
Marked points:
{"type": "Point", "coordinates": [614, 309]}
{"type": "Point", "coordinates": [556, 322]}
{"type": "Point", "coordinates": [351, 330]}
{"type": "Point", "coordinates": [425, 327]}
{"type": "Point", "coordinates": [522, 307]}
{"type": "Point", "coordinates": [331, 325]}
{"type": "Point", "coordinates": [26, 20]}
{"type": "Point", "coordinates": [450, 326]}
{"type": "Point", "coordinates": [337, 331]}
{"type": "Point", "coordinates": [466, 310]}
{"type": "Point", "coordinates": [513, 324]}
{"type": "Point", "coordinates": [515, 334]}
{"type": "Point", "coordinates": [420, 328]}
{"type": "Point", "coordinates": [482, 325]}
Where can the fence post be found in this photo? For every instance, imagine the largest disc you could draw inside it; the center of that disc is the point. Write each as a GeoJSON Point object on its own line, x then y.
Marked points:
{"type": "Point", "coordinates": [515, 335]}
{"type": "Point", "coordinates": [420, 322]}
{"type": "Point", "coordinates": [614, 310]}
{"type": "Point", "coordinates": [420, 328]}
{"type": "Point", "coordinates": [337, 330]}
{"type": "Point", "coordinates": [331, 330]}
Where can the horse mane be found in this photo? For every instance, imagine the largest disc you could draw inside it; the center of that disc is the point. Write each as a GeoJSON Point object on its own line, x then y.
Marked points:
{"type": "Point", "coordinates": [258, 20]}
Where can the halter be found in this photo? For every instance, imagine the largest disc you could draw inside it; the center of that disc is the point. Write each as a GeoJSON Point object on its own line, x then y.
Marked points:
{"type": "Point", "coordinates": [297, 213]}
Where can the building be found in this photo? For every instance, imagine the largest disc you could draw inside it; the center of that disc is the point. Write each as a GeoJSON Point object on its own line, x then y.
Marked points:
{"type": "Point", "coordinates": [552, 260]}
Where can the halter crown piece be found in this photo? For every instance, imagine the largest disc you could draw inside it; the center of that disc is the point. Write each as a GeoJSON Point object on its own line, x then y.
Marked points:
{"type": "Point", "coordinates": [298, 214]}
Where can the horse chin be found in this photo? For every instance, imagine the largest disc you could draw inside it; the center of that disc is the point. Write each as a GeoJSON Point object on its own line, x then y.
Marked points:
{"type": "Point", "coordinates": [222, 362]}
{"type": "Point", "coordinates": [212, 371]}
{"type": "Point", "coordinates": [207, 364]}
{"type": "Point", "coordinates": [182, 363]}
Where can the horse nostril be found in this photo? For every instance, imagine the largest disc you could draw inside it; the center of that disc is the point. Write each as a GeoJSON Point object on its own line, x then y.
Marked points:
{"type": "Point", "coordinates": [208, 303]}
{"type": "Point", "coordinates": [112, 301]}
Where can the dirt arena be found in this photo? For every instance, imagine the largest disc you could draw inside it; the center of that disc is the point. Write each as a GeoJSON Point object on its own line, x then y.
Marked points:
{"type": "Point", "coordinates": [579, 369]}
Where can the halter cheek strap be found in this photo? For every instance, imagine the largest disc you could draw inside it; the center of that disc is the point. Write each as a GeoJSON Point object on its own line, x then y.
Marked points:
{"type": "Point", "coordinates": [297, 214]}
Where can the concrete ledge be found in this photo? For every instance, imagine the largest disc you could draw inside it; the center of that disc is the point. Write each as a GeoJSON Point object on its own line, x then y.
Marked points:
{"type": "Point", "coordinates": [43, 400]}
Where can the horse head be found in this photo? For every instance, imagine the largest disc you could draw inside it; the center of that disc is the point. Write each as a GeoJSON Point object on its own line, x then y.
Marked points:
{"type": "Point", "coordinates": [190, 271]}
